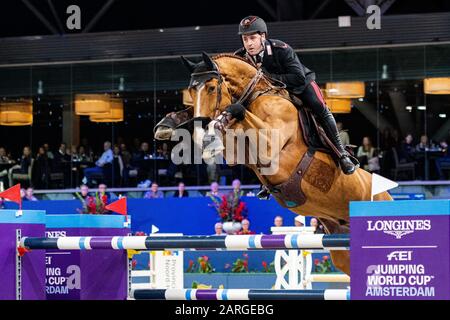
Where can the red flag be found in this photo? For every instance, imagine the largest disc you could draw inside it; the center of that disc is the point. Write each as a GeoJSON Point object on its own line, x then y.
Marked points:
{"type": "Point", "coordinates": [12, 194]}
{"type": "Point", "coordinates": [119, 206]}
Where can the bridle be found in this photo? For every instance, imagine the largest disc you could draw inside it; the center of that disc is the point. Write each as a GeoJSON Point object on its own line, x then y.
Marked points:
{"type": "Point", "coordinates": [198, 78]}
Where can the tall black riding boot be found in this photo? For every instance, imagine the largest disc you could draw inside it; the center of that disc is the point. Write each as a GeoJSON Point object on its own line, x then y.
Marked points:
{"type": "Point", "coordinates": [328, 123]}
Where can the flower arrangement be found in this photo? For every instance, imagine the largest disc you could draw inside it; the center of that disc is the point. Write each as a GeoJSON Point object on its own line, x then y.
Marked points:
{"type": "Point", "coordinates": [230, 208]}
{"type": "Point", "coordinates": [202, 266]}
{"type": "Point", "coordinates": [268, 267]}
{"type": "Point", "coordinates": [93, 205]}
{"type": "Point", "coordinates": [323, 266]}
{"type": "Point", "coordinates": [241, 265]}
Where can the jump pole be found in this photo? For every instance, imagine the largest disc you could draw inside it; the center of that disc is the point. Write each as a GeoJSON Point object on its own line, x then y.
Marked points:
{"type": "Point", "coordinates": [239, 294]}
{"type": "Point", "coordinates": [230, 242]}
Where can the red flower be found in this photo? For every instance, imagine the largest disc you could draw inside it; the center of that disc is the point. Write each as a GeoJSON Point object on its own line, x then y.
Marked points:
{"type": "Point", "coordinates": [264, 264]}
{"type": "Point", "coordinates": [191, 263]}
{"type": "Point", "coordinates": [245, 264]}
{"type": "Point", "coordinates": [325, 258]}
{"type": "Point", "coordinates": [205, 258]}
{"type": "Point", "coordinates": [133, 264]}
{"type": "Point", "coordinates": [316, 262]}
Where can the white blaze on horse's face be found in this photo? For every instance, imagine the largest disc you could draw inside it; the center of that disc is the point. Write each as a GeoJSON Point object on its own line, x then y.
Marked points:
{"type": "Point", "coordinates": [198, 101]}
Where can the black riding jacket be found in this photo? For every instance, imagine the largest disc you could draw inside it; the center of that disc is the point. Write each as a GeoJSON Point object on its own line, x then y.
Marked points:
{"type": "Point", "coordinates": [282, 63]}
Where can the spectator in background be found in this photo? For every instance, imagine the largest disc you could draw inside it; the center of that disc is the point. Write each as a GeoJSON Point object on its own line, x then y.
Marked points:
{"type": "Point", "coordinates": [317, 225]}
{"type": "Point", "coordinates": [118, 166]}
{"type": "Point", "coordinates": [23, 193]}
{"type": "Point", "coordinates": [88, 202]}
{"type": "Point", "coordinates": [84, 192]}
{"type": "Point", "coordinates": [162, 152]}
{"type": "Point", "coordinates": [61, 163]}
{"type": "Point", "coordinates": [345, 138]}
{"type": "Point", "coordinates": [74, 153]}
{"type": "Point", "coordinates": [106, 158]}
{"type": "Point", "coordinates": [423, 144]}
{"type": "Point", "coordinates": [299, 221]}
{"type": "Point", "coordinates": [154, 193]}
{"type": "Point", "coordinates": [181, 192]}
{"type": "Point", "coordinates": [236, 184]}
{"type": "Point", "coordinates": [140, 161]}
{"type": "Point", "coordinates": [143, 153]}
{"type": "Point", "coordinates": [406, 149]}
{"type": "Point", "coordinates": [444, 160]}
{"type": "Point", "coordinates": [218, 228]}
{"type": "Point", "coordinates": [387, 139]}
{"type": "Point", "coordinates": [83, 155]}
{"type": "Point", "coordinates": [214, 191]}
{"type": "Point", "coordinates": [4, 159]}
{"type": "Point", "coordinates": [126, 155]}
{"type": "Point", "coordinates": [278, 221]}
{"type": "Point", "coordinates": [61, 157]}
{"type": "Point", "coordinates": [87, 149]}
{"type": "Point", "coordinates": [25, 163]}
{"type": "Point", "coordinates": [5, 162]}
{"type": "Point", "coordinates": [48, 151]}
{"type": "Point", "coordinates": [127, 164]}
{"type": "Point", "coordinates": [41, 174]}
{"type": "Point", "coordinates": [245, 227]}
{"type": "Point", "coordinates": [367, 156]}
{"type": "Point", "coordinates": [136, 146]}
{"type": "Point", "coordinates": [103, 194]}
{"type": "Point", "coordinates": [29, 195]}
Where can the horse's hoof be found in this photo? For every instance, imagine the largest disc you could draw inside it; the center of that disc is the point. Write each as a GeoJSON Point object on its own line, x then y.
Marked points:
{"type": "Point", "coordinates": [163, 133]}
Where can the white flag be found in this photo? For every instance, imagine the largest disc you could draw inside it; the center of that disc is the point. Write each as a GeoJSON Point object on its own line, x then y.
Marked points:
{"type": "Point", "coordinates": [381, 184]}
{"type": "Point", "coordinates": [154, 229]}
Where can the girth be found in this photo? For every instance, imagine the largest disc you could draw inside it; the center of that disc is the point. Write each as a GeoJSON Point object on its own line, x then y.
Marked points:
{"type": "Point", "coordinates": [289, 193]}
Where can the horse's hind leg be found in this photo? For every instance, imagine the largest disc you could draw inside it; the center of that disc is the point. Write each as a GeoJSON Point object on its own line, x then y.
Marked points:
{"type": "Point", "coordinates": [341, 260]}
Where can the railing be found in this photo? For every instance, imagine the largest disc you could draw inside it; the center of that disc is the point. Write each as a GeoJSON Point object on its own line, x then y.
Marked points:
{"type": "Point", "coordinates": [431, 189]}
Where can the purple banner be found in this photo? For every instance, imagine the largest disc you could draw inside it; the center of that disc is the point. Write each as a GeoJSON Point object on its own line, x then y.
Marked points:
{"type": "Point", "coordinates": [33, 268]}
{"type": "Point", "coordinates": [86, 275]}
{"type": "Point", "coordinates": [400, 257]}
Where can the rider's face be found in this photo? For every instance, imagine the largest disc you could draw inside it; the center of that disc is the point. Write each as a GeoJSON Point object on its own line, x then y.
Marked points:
{"type": "Point", "coordinates": [253, 43]}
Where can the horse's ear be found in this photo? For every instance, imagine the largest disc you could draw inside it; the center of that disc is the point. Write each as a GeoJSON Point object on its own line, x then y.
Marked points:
{"type": "Point", "coordinates": [208, 61]}
{"type": "Point", "coordinates": [188, 64]}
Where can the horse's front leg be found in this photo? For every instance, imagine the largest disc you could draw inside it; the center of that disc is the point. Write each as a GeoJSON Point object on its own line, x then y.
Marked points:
{"type": "Point", "coordinates": [213, 142]}
{"type": "Point", "coordinates": [164, 129]}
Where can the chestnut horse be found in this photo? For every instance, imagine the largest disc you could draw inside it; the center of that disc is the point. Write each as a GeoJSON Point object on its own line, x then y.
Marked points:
{"type": "Point", "coordinates": [219, 81]}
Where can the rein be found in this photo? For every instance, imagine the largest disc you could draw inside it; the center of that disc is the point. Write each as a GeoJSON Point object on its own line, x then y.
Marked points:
{"type": "Point", "coordinates": [201, 77]}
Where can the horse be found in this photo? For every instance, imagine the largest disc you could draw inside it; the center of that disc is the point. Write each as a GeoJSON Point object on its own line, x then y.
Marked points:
{"type": "Point", "coordinates": [217, 82]}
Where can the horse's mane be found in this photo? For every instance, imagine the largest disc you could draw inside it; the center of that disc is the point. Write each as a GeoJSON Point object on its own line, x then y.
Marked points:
{"type": "Point", "coordinates": [231, 55]}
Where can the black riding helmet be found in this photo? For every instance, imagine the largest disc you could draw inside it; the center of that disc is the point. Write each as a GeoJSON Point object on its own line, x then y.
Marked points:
{"type": "Point", "coordinates": [252, 24]}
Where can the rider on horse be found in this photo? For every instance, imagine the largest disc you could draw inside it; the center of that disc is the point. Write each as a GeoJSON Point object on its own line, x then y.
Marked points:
{"type": "Point", "coordinates": [279, 61]}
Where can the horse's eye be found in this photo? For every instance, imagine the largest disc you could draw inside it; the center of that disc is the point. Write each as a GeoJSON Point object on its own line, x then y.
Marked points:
{"type": "Point", "coordinates": [211, 89]}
